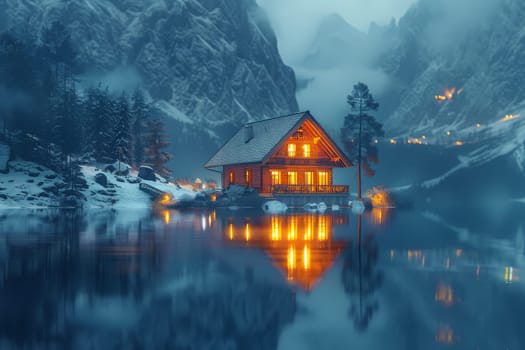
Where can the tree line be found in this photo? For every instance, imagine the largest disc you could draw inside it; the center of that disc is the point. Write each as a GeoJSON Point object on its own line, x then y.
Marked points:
{"type": "Point", "coordinates": [47, 118]}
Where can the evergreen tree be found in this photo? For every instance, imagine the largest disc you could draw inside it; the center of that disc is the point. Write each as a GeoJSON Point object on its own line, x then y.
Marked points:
{"type": "Point", "coordinates": [156, 142]}
{"type": "Point", "coordinates": [361, 130]}
{"type": "Point", "coordinates": [99, 113]}
{"type": "Point", "coordinates": [122, 131]}
{"type": "Point", "coordinates": [139, 112]}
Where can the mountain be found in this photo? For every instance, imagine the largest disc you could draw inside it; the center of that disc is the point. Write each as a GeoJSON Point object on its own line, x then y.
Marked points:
{"type": "Point", "coordinates": [211, 65]}
{"type": "Point", "coordinates": [456, 65]}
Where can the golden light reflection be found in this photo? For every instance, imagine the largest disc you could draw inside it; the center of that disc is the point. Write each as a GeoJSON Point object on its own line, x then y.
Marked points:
{"type": "Point", "coordinates": [276, 229]}
{"type": "Point", "coordinates": [301, 246]}
{"type": "Point", "coordinates": [292, 229]}
{"type": "Point", "coordinates": [306, 257]}
{"type": "Point", "coordinates": [322, 234]}
{"type": "Point", "coordinates": [511, 274]}
{"type": "Point", "coordinates": [167, 217]}
{"type": "Point", "coordinates": [444, 294]}
{"type": "Point", "coordinates": [247, 234]}
{"type": "Point", "coordinates": [379, 197]}
{"type": "Point", "coordinates": [230, 231]}
{"type": "Point", "coordinates": [291, 261]}
{"type": "Point", "coordinates": [445, 335]}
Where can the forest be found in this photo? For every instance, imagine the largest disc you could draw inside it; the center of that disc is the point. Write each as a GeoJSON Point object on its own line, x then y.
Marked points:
{"type": "Point", "coordinates": [49, 118]}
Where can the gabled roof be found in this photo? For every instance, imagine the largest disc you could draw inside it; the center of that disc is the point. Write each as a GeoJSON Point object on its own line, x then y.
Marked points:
{"type": "Point", "coordinates": [266, 136]}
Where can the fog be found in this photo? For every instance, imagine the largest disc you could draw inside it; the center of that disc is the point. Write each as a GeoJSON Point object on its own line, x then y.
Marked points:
{"type": "Point", "coordinates": [331, 53]}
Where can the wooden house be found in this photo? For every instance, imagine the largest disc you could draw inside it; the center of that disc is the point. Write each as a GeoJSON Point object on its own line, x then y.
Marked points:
{"type": "Point", "coordinates": [289, 157]}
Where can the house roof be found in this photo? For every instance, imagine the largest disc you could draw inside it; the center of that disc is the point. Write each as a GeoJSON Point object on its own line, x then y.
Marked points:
{"type": "Point", "coordinates": [265, 136]}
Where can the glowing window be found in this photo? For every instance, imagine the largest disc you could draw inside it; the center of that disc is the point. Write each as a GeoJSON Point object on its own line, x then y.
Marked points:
{"type": "Point", "coordinates": [306, 150]}
{"type": "Point", "coordinates": [323, 178]}
{"type": "Point", "coordinates": [292, 150]}
{"type": "Point", "coordinates": [292, 178]}
{"type": "Point", "coordinates": [276, 177]}
{"type": "Point", "coordinates": [231, 177]}
{"type": "Point", "coordinates": [308, 177]}
{"type": "Point", "coordinates": [248, 176]}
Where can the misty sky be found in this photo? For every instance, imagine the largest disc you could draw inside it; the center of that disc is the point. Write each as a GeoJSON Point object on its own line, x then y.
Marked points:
{"type": "Point", "coordinates": [295, 21]}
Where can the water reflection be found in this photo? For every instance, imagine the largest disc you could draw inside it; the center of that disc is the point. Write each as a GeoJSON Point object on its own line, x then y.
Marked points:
{"type": "Point", "coordinates": [301, 245]}
{"type": "Point", "coordinates": [361, 278]}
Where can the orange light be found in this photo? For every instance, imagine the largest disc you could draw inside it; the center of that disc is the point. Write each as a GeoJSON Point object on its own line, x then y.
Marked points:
{"type": "Point", "coordinates": [445, 335]}
{"type": "Point", "coordinates": [510, 117]}
{"type": "Point", "coordinates": [167, 218]}
{"type": "Point", "coordinates": [393, 141]}
{"type": "Point", "coordinates": [165, 199]}
{"type": "Point", "coordinates": [247, 231]}
{"type": "Point", "coordinates": [306, 257]}
{"type": "Point", "coordinates": [444, 294]}
{"type": "Point", "coordinates": [291, 261]}
{"type": "Point", "coordinates": [292, 149]}
{"type": "Point", "coordinates": [230, 231]}
{"type": "Point", "coordinates": [459, 143]}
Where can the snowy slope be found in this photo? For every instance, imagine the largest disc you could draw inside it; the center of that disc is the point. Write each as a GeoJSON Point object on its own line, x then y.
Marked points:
{"type": "Point", "coordinates": [477, 50]}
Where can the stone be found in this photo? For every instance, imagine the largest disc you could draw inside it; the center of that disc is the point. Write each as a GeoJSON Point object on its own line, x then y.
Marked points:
{"type": "Point", "coordinates": [33, 172]}
{"type": "Point", "coordinates": [147, 173]}
{"type": "Point", "coordinates": [101, 179]}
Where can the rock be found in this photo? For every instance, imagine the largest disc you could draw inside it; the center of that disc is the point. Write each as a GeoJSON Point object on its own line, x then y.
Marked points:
{"type": "Point", "coordinates": [133, 179]}
{"type": "Point", "coordinates": [33, 172]}
{"type": "Point", "coordinates": [40, 183]}
{"type": "Point", "coordinates": [44, 195]}
{"type": "Point", "coordinates": [60, 184]}
{"type": "Point", "coordinates": [101, 179]}
{"type": "Point", "coordinates": [30, 180]}
{"type": "Point", "coordinates": [119, 179]}
{"type": "Point", "coordinates": [274, 207]}
{"type": "Point", "coordinates": [50, 176]}
{"type": "Point", "coordinates": [147, 173]}
{"type": "Point", "coordinates": [3, 196]}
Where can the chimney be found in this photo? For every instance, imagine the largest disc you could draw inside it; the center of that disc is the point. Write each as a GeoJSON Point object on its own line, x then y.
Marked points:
{"type": "Point", "coordinates": [248, 133]}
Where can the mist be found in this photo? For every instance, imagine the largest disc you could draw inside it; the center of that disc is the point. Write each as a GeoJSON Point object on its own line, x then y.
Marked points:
{"type": "Point", "coordinates": [336, 44]}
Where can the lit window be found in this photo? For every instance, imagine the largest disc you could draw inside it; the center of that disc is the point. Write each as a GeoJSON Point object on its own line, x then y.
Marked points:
{"type": "Point", "coordinates": [292, 178]}
{"type": "Point", "coordinates": [308, 177]}
{"type": "Point", "coordinates": [276, 177]}
{"type": "Point", "coordinates": [323, 178]}
{"type": "Point", "coordinates": [292, 149]}
{"type": "Point", "coordinates": [231, 177]}
{"type": "Point", "coordinates": [306, 150]}
{"type": "Point", "coordinates": [248, 176]}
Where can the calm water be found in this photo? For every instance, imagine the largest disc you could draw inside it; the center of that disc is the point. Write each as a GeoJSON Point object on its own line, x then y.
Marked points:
{"type": "Point", "coordinates": [391, 279]}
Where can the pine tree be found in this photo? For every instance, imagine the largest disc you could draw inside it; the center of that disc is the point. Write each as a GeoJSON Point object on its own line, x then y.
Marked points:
{"type": "Point", "coordinates": [361, 130]}
{"type": "Point", "coordinates": [139, 112]}
{"type": "Point", "coordinates": [99, 114]}
{"type": "Point", "coordinates": [121, 130]}
{"type": "Point", "coordinates": [156, 142]}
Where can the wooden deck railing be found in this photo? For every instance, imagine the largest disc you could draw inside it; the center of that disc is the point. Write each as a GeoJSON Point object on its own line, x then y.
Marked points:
{"type": "Point", "coordinates": [306, 189]}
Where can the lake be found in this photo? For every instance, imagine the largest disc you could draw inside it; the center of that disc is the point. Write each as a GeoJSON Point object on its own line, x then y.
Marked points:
{"type": "Point", "coordinates": [223, 279]}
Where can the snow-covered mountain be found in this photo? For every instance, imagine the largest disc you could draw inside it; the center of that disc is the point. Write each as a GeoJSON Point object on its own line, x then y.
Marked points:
{"type": "Point", "coordinates": [210, 63]}
{"type": "Point", "coordinates": [473, 49]}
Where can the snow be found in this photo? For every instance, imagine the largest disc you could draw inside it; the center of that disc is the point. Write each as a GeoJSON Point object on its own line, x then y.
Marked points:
{"type": "Point", "coordinates": [274, 207]}
{"type": "Point", "coordinates": [173, 111]}
{"type": "Point", "coordinates": [358, 207]}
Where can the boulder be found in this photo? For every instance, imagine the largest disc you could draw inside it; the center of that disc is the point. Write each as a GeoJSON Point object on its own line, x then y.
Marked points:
{"type": "Point", "coordinates": [119, 179]}
{"type": "Point", "coordinates": [133, 179]}
{"type": "Point", "coordinates": [33, 172]}
{"type": "Point", "coordinates": [147, 173]}
{"type": "Point", "coordinates": [101, 179]}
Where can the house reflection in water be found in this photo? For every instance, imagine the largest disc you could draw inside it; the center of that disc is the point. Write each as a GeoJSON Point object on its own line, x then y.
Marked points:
{"type": "Point", "coordinates": [300, 245]}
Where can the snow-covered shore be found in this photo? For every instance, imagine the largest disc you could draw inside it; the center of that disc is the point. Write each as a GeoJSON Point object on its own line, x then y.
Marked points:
{"type": "Point", "coordinates": [30, 185]}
